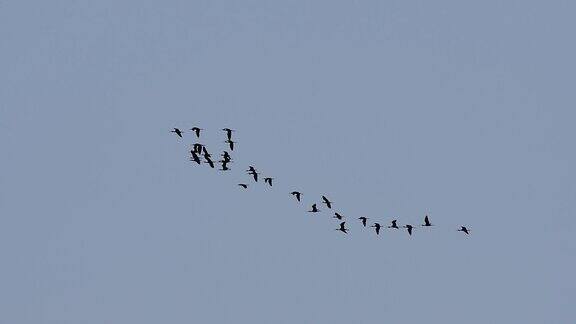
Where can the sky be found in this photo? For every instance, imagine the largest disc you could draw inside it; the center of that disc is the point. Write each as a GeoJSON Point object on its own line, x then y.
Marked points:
{"type": "Point", "coordinates": [462, 110]}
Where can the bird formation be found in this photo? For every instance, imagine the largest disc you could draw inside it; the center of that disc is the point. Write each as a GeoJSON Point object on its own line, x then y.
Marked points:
{"type": "Point", "coordinates": [200, 151]}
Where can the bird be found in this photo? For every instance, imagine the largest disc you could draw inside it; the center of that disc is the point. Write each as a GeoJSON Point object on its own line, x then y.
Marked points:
{"type": "Point", "coordinates": [231, 143]}
{"type": "Point", "coordinates": [464, 229]}
{"type": "Point", "coordinates": [342, 228]}
{"type": "Point", "coordinates": [228, 132]}
{"type": "Point", "coordinates": [205, 151]}
{"type": "Point", "coordinates": [196, 130]}
{"type": "Point", "coordinates": [327, 202]}
{"type": "Point", "coordinates": [409, 228]}
{"type": "Point", "coordinates": [268, 181]}
{"type": "Point", "coordinates": [426, 221]}
{"type": "Point", "coordinates": [336, 215]}
{"type": "Point", "coordinates": [253, 172]}
{"type": "Point", "coordinates": [177, 131]}
{"type": "Point", "coordinates": [363, 219]}
{"type": "Point", "coordinates": [224, 166]}
{"type": "Point", "coordinates": [243, 185]}
{"type": "Point", "coordinates": [195, 157]}
{"type": "Point", "coordinates": [377, 228]}
{"type": "Point", "coordinates": [198, 148]}
{"type": "Point", "coordinates": [314, 209]}
{"type": "Point", "coordinates": [226, 157]}
{"type": "Point", "coordinates": [393, 225]}
{"type": "Point", "coordinates": [209, 161]}
{"type": "Point", "coordinates": [297, 194]}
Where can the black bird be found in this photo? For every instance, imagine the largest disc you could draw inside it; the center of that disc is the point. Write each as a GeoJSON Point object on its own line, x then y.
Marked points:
{"type": "Point", "coordinates": [255, 175]}
{"type": "Point", "coordinates": [228, 132]}
{"type": "Point", "coordinates": [243, 185]}
{"type": "Point", "coordinates": [196, 130]}
{"type": "Point", "coordinates": [209, 161]}
{"type": "Point", "coordinates": [314, 209]}
{"type": "Point", "coordinates": [195, 157]}
{"type": "Point", "coordinates": [409, 228]}
{"type": "Point", "coordinates": [226, 157]}
{"type": "Point", "coordinates": [342, 228]}
{"type": "Point", "coordinates": [231, 143]}
{"type": "Point", "coordinates": [363, 219]}
{"type": "Point", "coordinates": [177, 131]}
{"type": "Point", "coordinates": [336, 215]}
{"type": "Point", "coordinates": [393, 225]}
{"type": "Point", "coordinates": [464, 229]}
{"type": "Point", "coordinates": [224, 166]}
{"type": "Point", "coordinates": [251, 169]}
{"type": "Point", "coordinates": [327, 202]}
{"type": "Point", "coordinates": [268, 181]}
{"type": "Point", "coordinates": [198, 148]}
{"type": "Point", "coordinates": [297, 194]}
{"type": "Point", "coordinates": [377, 227]}
{"type": "Point", "coordinates": [205, 151]}
{"type": "Point", "coordinates": [426, 221]}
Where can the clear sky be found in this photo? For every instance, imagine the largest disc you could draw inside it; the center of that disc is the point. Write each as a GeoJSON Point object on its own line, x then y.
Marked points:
{"type": "Point", "coordinates": [393, 109]}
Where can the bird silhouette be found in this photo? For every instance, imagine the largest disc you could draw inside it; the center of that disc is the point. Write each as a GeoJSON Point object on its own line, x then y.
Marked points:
{"type": "Point", "coordinates": [209, 161]}
{"type": "Point", "coordinates": [228, 132]}
{"type": "Point", "coordinates": [464, 229]}
{"type": "Point", "coordinates": [255, 175]}
{"type": "Point", "coordinates": [377, 228]}
{"type": "Point", "coordinates": [194, 157]}
{"type": "Point", "coordinates": [205, 151]}
{"type": "Point", "coordinates": [196, 130]}
{"type": "Point", "coordinates": [393, 225]}
{"type": "Point", "coordinates": [363, 219]}
{"type": "Point", "coordinates": [409, 228]}
{"type": "Point", "coordinates": [177, 131]}
{"type": "Point", "coordinates": [297, 194]}
{"type": "Point", "coordinates": [243, 185]}
{"type": "Point", "coordinates": [427, 221]}
{"type": "Point", "coordinates": [231, 144]}
{"type": "Point", "coordinates": [342, 228]}
{"type": "Point", "coordinates": [268, 181]}
{"type": "Point", "coordinates": [224, 166]}
{"type": "Point", "coordinates": [314, 209]}
{"type": "Point", "coordinates": [251, 169]}
{"type": "Point", "coordinates": [226, 157]}
{"type": "Point", "coordinates": [338, 216]}
{"type": "Point", "coordinates": [327, 202]}
{"type": "Point", "coordinates": [198, 148]}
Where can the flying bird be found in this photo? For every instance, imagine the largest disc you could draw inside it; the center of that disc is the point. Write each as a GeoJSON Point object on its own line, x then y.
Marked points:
{"type": "Point", "coordinates": [409, 228]}
{"type": "Point", "coordinates": [195, 157]}
{"type": "Point", "coordinates": [363, 219]}
{"type": "Point", "coordinates": [177, 131]}
{"type": "Point", "coordinates": [336, 215]}
{"type": "Point", "coordinates": [464, 229]}
{"type": "Point", "coordinates": [226, 157]}
{"type": "Point", "coordinates": [268, 181]}
{"type": "Point", "coordinates": [297, 194]}
{"type": "Point", "coordinates": [243, 185]}
{"type": "Point", "coordinates": [196, 130]}
{"type": "Point", "coordinates": [327, 202]}
{"type": "Point", "coordinates": [231, 143]}
{"type": "Point", "coordinates": [198, 148]}
{"type": "Point", "coordinates": [342, 228]}
{"type": "Point", "coordinates": [255, 175]}
{"type": "Point", "coordinates": [393, 225]}
{"type": "Point", "coordinates": [251, 169]}
{"type": "Point", "coordinates": [205, 151]}
{"type": "Point", "coordinates": [426, 221]}
{"type": "Point", "coordinates": [209, 161]}
{"type": "Point", "coordinates": [377, 228]}
{"type": "Point", "coordinates": [314, 209]}
{"type": "Point", "coordinates": [228, 132]}
{"type": "Point", "coordinates": [224, 166]}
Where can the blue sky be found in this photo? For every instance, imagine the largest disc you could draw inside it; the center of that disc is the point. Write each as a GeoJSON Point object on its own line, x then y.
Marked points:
{"type": "Point", "coordinates": [393, 109]}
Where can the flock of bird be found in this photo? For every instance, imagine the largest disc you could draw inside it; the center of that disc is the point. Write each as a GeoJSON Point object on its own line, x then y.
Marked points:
{"type": "Point", "coordinates": [199, 150]}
